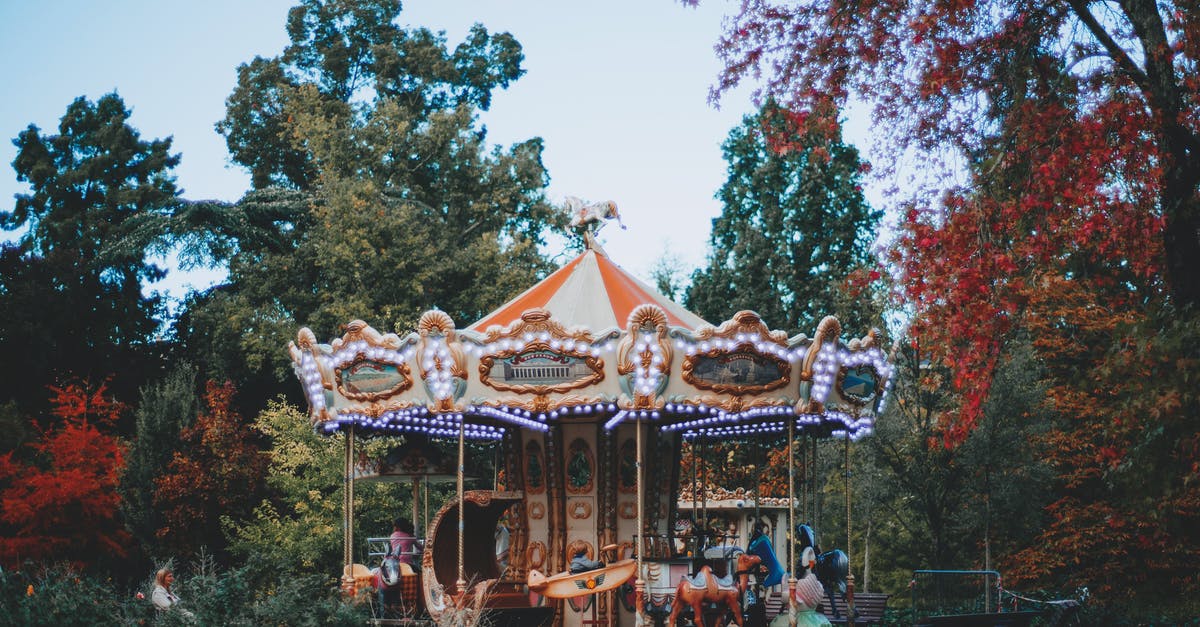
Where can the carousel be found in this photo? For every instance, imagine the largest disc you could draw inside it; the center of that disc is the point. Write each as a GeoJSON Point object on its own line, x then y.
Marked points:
{"type": "Point", "coordinates": [587, 383]}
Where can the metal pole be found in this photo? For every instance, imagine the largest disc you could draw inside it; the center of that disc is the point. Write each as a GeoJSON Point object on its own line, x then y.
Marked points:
{"type": "Point", "coordinates": [850, 571]}
{"type": "Point", "coordinates": [348, 514]}
{"type": "Point", "coordinates": [639, 584]}
{"type": "Point", "coordinates": [461, 584]}
{"type": "Point", "coordinates": [791, 523]}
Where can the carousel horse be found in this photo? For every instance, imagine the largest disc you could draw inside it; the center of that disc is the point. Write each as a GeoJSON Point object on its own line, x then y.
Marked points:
{"type": "Point", "coordinates": [583, 214]}
{"type": "Point", "coordinates": [832, 567]}
{"type": "Point", "coordinates": [387, 578]}
{"type": "Point", "coordinates": [695, 591]}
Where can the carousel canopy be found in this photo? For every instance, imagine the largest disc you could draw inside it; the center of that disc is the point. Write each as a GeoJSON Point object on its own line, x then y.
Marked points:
{"type": "Point", "coordinates": [592, 342]}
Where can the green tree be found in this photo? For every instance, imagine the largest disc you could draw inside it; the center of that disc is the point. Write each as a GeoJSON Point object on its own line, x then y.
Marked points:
{"type": "Point", "coordinates": [793, 226]}
{"type": "Point", "coordinates": [398, 204]}
{"type": "Point", "coordinates": [353, 51]}
{"type": "Point", "coordinates": [99, 198]}
{"type": "Point", "coordinates": [299, 527]}
{"type": "Point", "coordinates": [164, 410]}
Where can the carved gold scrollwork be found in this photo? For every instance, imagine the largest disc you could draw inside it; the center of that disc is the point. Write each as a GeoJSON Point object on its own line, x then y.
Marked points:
{"type": "Point", "coordinates": [579, 509]}
{"type": "Point", "coordinates": [574, 547]}
{"type": "Point", "coordinates": [537, 510]}
{"type": "Point", "coordinates": [627, 510]}
{"type": "Point", "coordinates": [535, 554]}
{"type": "Point", "coordinates": [827, 331]}
{"type": "Point", "coordinates": [645, 320]}
{"type": "Point", "coordinates": [438, 337]}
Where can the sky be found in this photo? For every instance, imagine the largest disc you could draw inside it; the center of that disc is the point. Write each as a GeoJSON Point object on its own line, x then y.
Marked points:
{"type": "Point", "coordinates": [618, 91]}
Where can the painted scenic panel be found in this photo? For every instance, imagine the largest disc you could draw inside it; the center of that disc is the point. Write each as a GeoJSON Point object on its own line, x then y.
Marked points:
{"type": "Point", "coordinates": [369, 379]}
{"type": "Point", "coordinates": [859, 384]}
{"type": "Point", "coordinates": [739, 369]}
{"type": "Point", "coordinates": [540, 368]}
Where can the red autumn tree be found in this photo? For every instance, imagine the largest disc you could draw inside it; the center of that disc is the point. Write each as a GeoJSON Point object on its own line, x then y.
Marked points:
{"type": "Point", "coordinates": [63, 503]}
{"type": "Point", "coordinates": [1126, 518]}
{"type": "Point", "coordinates": [1079, 124]}
{"type": "Point", "coordinates": [217, 476]}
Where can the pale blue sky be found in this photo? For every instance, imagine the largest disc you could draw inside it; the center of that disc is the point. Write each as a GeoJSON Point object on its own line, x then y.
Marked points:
{"type": "Point", "coordinates": [617, 89]}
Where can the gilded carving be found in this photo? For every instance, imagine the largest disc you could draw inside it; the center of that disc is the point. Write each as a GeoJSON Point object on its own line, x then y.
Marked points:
{"type": "Point", "coordinates": [537, 510]}
{"type": "Point", "coordinates": [627, 510]}
{"type": "Point", "coordinates": [644, 357]}
{"type": "Point", "coordinates": [444, 371]}
{"type": "Point", "coordinates": [579, 509]}
{"type": "Point", "coordinates": [576, 545]}
{"type": "Point", "coordinates": [535, 554]}
{"type": "Point", "coordinates": [827, 331]}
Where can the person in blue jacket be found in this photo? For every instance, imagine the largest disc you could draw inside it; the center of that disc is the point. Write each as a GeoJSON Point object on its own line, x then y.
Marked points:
{"type": "Point", "coordinates": [760, 545]}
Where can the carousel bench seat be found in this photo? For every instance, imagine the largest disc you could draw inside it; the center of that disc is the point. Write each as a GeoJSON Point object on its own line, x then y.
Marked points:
{"type": "Point", "coordinates": [869, 605]}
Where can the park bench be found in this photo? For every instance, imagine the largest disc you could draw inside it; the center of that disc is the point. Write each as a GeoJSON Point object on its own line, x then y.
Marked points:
{"type": "Point", "coordinates": [869, 605]}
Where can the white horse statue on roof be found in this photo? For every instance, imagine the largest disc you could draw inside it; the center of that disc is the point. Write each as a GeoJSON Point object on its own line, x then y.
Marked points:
{"type": "Point", "coordinates": [590, 215]}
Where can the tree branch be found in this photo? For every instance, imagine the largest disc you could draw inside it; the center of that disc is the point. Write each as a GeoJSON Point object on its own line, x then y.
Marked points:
{"type": "Point", "coordinates": [1118, 54]}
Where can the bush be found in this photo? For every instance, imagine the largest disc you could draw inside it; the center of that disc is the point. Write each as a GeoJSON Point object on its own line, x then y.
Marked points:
{"type": "Point", "coordinates": [248, 595]}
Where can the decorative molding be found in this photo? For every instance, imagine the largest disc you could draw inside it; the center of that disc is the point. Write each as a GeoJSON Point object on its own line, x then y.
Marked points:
{"type": "Point", "coordinates": [535, 554]}
{"type": "Point", "coordinates": [644, 357]}
{"type": "Point", "coordinates": [537, 321]}
{"type": "Point", "coordinates": [627, 510]}
{"type": "Point", "coordinates": [574, 547]}
{"type": "Point", "coordinates": [579, 451]}
{"type": "Point", "coordinates": [579, 509]}
{"type": "Point", "coordinates": [537, 510]}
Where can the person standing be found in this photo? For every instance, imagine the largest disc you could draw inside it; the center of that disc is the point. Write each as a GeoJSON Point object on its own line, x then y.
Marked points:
{"type": "Point", "coordinates": [163, 598]}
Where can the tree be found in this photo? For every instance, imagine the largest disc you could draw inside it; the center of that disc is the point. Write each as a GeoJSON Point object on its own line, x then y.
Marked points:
{"type": "Point", "coordinates": [215, 475]}
{"type": "Point", "coordinates": [298, 527]}
{"type": "Point", "coordinates": [793, 225]}
{"type": "Point", "coordinates": [344, 49]}
{"type": "Point", "coordinates": [164, 409]}
{"type": "Point", "coordinates": [1022, 93]}
{"type": "Point", "coordinates": [99, 198]}
{"type": "Point", "coordinates": [398, 204]}
{"type": "Point", "coordinates": [63, 504]}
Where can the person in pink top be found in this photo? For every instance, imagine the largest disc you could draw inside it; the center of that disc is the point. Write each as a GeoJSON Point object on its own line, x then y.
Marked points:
{"type": "Point", "coordinates": [403, 541]}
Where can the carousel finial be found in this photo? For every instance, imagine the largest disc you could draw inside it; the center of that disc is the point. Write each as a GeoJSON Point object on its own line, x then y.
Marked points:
{"type": "Point", "coordinates": [590, 216]}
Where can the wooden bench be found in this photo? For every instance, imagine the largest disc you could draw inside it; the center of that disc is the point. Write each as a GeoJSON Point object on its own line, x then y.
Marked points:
{"type": "Point", "coordinates": [869, 605]}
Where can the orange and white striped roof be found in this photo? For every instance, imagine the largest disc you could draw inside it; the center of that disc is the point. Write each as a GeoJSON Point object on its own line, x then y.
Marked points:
{"type": "Point", "coordinates": [593, 292]}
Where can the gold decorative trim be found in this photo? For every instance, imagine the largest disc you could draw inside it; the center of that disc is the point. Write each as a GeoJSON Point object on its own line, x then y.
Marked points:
{"type": "Point", "coordinates": [744, 321]}
{"type": "Point", "coordinates": [541, 403]}
{"type": "Point", "coordinates": [627, 510]}
{"type": "Point", "coordinates": [854, 399]}
{"type": "Point", "coordinates": [536, 321]}
{"type": "Point", "coordinates": [537, 510]}
{"type": "Point", "coordinates": [574, 547]}
{"type": "Point", "coordinates": [827, 331]}
{"type": "Point", "coordinates": [579, 509]}
{"type": "Point", "coordinates": [437, 325]}
{"type": "Point", "coordinates": [645, 319]}
{"type": "Point", "coordinates": [535, 554]}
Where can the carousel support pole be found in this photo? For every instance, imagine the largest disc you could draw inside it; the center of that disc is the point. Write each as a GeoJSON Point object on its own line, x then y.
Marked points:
{"type": "Point", "coordinates": [416, 504]}
{"type": "Point", "coordinates": [850, 571]}
{"type": "Point", "coordinates": [348, 515]}
{"type": "Point", "coordinates": [791, 600]}
{"type": "Point", "coordinates": [639, 584]}
{"type": "Point", "coordinates": [461, 584]}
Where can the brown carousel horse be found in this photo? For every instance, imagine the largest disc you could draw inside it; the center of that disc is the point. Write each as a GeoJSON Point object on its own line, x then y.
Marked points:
{"type": "Point", "coordinates": [695, 591]}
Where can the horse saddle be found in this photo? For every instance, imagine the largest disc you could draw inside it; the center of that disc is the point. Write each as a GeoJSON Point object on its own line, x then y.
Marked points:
{"type": "Point", "coordinates": [701, 580]}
